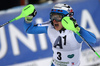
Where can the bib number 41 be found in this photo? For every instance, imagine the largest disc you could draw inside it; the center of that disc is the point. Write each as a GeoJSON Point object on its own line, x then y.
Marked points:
{"type": "Point", "coordinates": [58, 42]}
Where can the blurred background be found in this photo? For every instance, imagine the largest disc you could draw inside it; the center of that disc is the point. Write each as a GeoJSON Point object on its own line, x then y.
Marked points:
{"type": "Point", "coordinates": [5, 4]}
{"type": "Point", "coordinates": [17, 48]}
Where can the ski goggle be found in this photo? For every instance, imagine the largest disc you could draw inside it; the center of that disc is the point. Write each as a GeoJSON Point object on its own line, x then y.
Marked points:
{"type": "Point", "coordinates": [56, 16]}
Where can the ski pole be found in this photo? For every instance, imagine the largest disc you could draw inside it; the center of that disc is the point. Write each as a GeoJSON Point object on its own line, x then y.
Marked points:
{"type": "Point", "coordinates": [27, 10]}
{"type": "Point", "coordinates": [68, 24]}
{"type": "Point", "coordinates": [88, 44]}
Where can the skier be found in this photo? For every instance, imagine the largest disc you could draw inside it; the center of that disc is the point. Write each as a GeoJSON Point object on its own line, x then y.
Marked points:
{"type": "Point", "coordinates": [66, 44]}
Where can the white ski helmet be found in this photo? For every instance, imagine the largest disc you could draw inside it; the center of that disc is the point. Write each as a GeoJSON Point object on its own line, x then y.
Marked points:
{"type": "Point", "coordinates": [61, 9]}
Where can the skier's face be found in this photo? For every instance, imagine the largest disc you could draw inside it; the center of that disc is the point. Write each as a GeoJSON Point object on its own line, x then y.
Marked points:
{"type": "Point", "coordinates": [56, 18]}
{"type": "Point", "coordinates": [57, 25]}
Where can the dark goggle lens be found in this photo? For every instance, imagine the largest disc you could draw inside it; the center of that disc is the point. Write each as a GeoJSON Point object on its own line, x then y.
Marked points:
{"type": "Point", "coordinates": [56, 17]}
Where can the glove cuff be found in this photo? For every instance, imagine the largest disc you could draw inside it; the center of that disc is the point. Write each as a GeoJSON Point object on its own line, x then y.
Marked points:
{"type": "Point", "coordinates": [28, 19]}
{"type": "Point", "coordinates": [78, 28]}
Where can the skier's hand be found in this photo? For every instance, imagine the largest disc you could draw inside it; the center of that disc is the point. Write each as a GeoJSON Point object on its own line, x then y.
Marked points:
{"type": "Point", "coordinates": [29, 18]}
{"type": "Point", "coordinates": [70, 23]}
{"type": "Point", "coordinates": [75, 24]}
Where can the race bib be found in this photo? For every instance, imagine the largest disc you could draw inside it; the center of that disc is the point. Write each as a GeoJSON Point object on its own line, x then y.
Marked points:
{"type": "Point", "coordinates": [66, 58]}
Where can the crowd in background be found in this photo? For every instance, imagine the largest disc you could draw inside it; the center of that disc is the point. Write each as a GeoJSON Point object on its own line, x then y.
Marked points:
{"type": "Point", "coordinates": [6, 4]}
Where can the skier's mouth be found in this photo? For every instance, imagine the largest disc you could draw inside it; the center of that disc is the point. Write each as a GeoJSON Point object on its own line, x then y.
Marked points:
{"type": "Point", "coordinates": [56, 25]}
